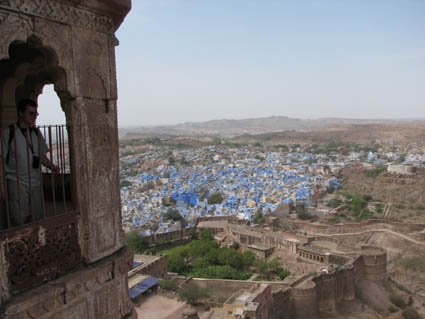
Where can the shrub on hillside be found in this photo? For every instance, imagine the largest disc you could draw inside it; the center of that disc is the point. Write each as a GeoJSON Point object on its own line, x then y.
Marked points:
{"type": "Point", "coordinates": [410, 313]}
{"type": "Point", "coordinates": [415, 263]}
{"type": "Point", "coordinates": [393, 309]}
{"type": "Point", "coordinates": [375, 172]}
{"type": "Point", "coordinates": [397, 300]}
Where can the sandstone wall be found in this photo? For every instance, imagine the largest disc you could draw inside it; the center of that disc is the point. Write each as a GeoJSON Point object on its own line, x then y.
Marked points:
{"type": "Point", "coordinates": [358, 227]}
{"type": "Point", "coordinates": [305, 302]}
{"type": "Point", "coordinates": [100, 291]}
{"type": "Point", "coordinates": [317, 297]}
{"type": "Point", "coordinates": [158, 268]}
{"type": "Point", "coordinates": [225, 288]}
{"type": "Point", "coordinates": [169, 236]}
{"type": "Point", "coordinates": [320, 297]}
{"type": "Point", "coordinates": [282, 307]}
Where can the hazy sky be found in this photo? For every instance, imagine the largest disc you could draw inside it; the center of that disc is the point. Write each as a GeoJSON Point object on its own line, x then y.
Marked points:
{"type": "Point", "coordinates": [197, 60]}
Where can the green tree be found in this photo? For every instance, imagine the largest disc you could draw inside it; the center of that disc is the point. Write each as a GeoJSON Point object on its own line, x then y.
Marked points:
{"type": "Point", "coordinates": [248, 258]}
{"type": "Point", "coordinates": [235, 245]}
{"type": "Point", "coordinates": [303, 214]}
{"type": "Point", "coordinates": [174, 214]}
{"type": "Point", "coordinates": [261, 266]}
{"type": "Point", "coordinates": [283, 274]}
{"type": "Point", "coordinates": [221, 272]}
{"type": "Point", "coordinates": [357, 204]}
{"type": "Point", "coordinates": [200, 263]}
{"type": "Point", "coordinates": [274, 265]}
{"type": "Point", "coordinates": [191, 293]}
{"type": "Point", "coordinates": [258, 218]}
{"type": "Point", "coordinates": [206, 235]}
{"type": "Point", "coordinates": [136, 242]}
{"type": "Point", "coordinates": [192, 234]}
{"type": "Point", "coordinates": [125, 183]}
{"type": "Point", "coordinates": [176, 263]}
{"type": "Point", "coordinates": [171, 160]}
{"type": "Point", "coordinates": [215, 198]}
{"type": "Point", "coordinates": [228, 256]}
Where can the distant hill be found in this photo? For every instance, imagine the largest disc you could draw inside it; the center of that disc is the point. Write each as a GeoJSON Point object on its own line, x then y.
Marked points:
{"type": "Point", "coordinates": [405, 134]}
{"type": "Point", "coordinates": [253, 126]}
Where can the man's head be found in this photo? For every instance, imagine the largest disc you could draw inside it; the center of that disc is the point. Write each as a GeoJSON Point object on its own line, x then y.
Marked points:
{"type": "Point", "coordinates": [27, 112]}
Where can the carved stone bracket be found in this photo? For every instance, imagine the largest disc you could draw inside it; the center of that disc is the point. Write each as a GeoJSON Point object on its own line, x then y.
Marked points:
{"type": "Point", "coordinates": [61, 12]}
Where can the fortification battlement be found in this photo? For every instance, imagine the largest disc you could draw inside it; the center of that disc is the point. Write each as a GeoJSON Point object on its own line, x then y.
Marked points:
{"type": "Point", "coordinates": [350, 227]}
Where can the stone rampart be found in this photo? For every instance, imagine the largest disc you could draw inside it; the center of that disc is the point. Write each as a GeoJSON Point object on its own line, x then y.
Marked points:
{"type": "Point", "coordinates": [358, 227]}
{"type": "Point", "coordinates": [282, 306]}
{"type": "Point", "coordinates": [316, 297]}
{"type": "Point", "coordinates": [374, 263]}
{"type": "Point", "coordinates": [305, 301]}
{"type": "Point", "coordinates": [157, 268]}
{"type": "Point", "coordinates": [333, 288]}
{"type": "Point", "coordinates": [230, 219]}
{"type": "Point", "coordinates": [321, 296]}
{"type": "Point", "coordinates": [168, 236]}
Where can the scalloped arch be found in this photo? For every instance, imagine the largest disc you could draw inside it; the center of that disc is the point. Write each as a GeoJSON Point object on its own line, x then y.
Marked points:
{"type": "Point", "coordinates": [30, 66]}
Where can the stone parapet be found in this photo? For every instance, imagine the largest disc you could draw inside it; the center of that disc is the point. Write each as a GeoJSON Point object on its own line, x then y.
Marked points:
{"type": "Point", "coordinates": [97, 291]}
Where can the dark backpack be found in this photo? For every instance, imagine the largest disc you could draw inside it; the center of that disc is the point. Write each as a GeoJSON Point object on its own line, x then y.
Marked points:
{"type": "Point", "coordinates": [11, 136]}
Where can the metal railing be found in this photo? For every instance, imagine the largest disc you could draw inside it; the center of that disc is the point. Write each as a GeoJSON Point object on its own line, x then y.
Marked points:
{"type": "Point", "coordinates": [31, 191]}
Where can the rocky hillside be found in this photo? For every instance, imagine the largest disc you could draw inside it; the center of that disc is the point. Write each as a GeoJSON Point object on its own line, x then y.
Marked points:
{"type": "Point", "coordinates": [399, 133]}
{"type": "Point", "coordinates": [404, 192]}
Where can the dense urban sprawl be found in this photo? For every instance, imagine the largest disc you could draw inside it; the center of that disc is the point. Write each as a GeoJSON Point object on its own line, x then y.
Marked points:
{"type": "Point", "coordinates": [229, 181]}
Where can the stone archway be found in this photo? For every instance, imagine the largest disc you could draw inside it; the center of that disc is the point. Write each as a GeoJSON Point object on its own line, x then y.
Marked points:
{"type": "Point", "coordinates": [29, 67]}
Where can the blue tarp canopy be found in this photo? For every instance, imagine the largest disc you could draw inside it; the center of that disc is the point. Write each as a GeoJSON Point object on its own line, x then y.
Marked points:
{"type": "Point", "coordinates": [142, 286]}
{"type": "Point", "coordinates": [137, 263]}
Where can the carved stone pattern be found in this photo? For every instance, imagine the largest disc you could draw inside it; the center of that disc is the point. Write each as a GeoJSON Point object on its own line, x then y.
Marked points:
{"type": "Point", "coordinates": [61, 12]}
{"type": "Point", "coordinates": [13, 27]}
{"type": "Point", "coordinates": [31, 263]}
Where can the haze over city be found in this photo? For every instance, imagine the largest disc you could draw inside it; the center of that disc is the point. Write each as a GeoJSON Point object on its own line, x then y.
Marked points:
{"type": "Point", "coordinates": [181, 61]}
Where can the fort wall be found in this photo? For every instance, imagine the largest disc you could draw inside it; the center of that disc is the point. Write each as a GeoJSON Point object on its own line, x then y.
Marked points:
{"type": "Point", "coordinates": [224, 289]}
{"type": "Point", "coordinates": [305, 301]}
{"type": "Point", "coordinates": [311, 298]}
{"type": "Point", "coordinates": [156, 268]}
{"type": "Point", "coordinates": [169, 236]}
{"type": "Point", "coordinates": [358, 227]}
{"type": "Point", "coordinates": [282, 306]}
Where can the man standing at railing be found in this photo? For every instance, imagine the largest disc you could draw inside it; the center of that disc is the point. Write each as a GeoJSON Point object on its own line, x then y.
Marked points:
{"type": "Point", "coordinates": [25, 151]}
